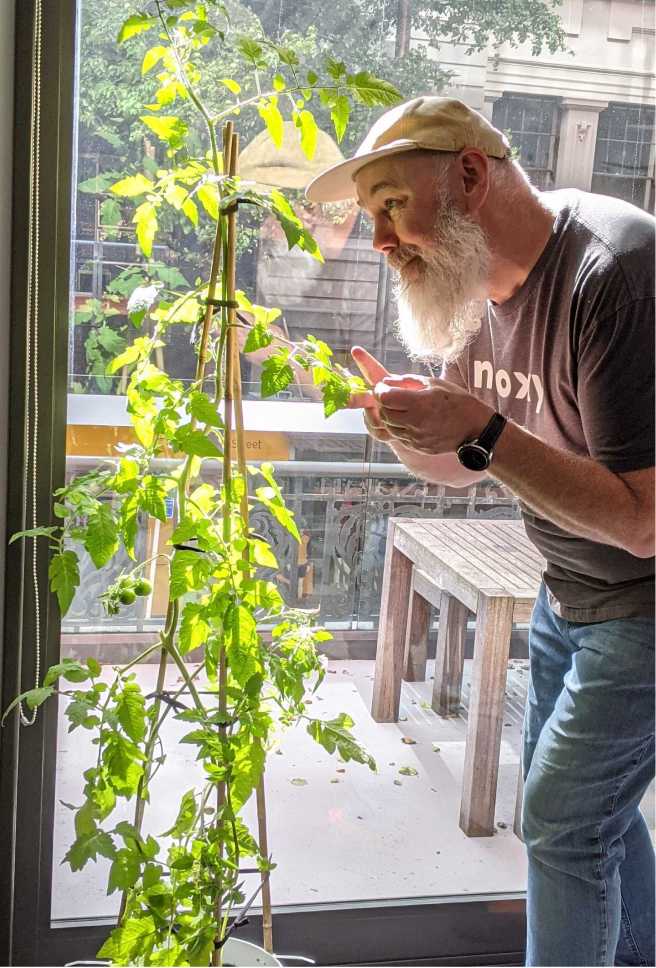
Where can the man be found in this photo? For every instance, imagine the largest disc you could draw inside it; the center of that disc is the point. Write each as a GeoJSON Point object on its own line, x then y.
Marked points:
{"type": "Point", "coordinates": [540, 307]}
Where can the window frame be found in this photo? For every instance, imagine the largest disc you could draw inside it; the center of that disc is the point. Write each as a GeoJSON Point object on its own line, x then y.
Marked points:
{"type": "Point", "coordinates": [27, 773]}
{"type": "Point", "coordinates": [550, 171]}
{"type": "Point", "coordinates": [646, 197]}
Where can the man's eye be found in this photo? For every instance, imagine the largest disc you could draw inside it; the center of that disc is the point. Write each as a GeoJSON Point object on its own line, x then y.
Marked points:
{"type": "Point", "coordinates": [390, 204]}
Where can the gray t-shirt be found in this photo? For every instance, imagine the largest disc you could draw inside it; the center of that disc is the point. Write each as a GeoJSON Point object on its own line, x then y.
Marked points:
{"type": "Point", "coordinates": [570, 357]}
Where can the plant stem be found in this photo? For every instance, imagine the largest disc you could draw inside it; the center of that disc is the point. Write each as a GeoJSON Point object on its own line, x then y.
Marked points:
{"type": "Point", "coordinates": [240, 105]}
{"type": "Point", "coordinates": [175, 696]}
{"type": "Point", "coordinates": [194, 98]}
{"type": "Point", "coordinates": [267, 920]}
{"type": "Point", "coordinates": [184, 672]}
{"type": "Point", "coordinates": [234, 382]}
{"type": "Point", "coordinates": [227, 314]}
{"type": "Point", "coordinates": [153, 733]}
{"type": "Point", "coordinates": [142, 656]}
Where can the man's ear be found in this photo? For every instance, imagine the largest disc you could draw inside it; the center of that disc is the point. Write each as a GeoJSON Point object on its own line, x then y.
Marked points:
{"type": "Point", "coordinates": [473, 170]}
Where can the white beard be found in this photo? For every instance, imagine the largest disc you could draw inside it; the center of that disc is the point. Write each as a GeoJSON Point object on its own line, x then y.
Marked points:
{"type": "Point", "coordinates": [442, 299]}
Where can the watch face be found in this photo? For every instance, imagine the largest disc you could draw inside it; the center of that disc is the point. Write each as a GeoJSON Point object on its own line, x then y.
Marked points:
{"type": "Point", "coordinates": [473, 457]}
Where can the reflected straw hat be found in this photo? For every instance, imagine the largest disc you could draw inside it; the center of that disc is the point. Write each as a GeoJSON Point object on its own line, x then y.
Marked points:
{"type": "Point", "coordinates": [432, 123]}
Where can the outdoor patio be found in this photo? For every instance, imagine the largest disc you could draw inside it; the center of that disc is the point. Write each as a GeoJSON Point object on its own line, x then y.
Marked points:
{"type": "Point", "coordinates": [340, 832]}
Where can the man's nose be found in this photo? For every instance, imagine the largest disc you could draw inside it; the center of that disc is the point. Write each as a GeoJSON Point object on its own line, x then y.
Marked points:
{"type": "Point", "coordinates": [385, 238]}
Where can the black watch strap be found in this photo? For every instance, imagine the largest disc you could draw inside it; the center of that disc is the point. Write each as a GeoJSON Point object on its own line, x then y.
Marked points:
{"type": "Point", "coordinates": [491, 433]}
{"type": "Point", "coordinates": [476, 454]}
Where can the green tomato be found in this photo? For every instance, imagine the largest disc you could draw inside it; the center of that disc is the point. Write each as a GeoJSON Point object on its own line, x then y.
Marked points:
{"type": "Point", "coordinates": [127, 596]}
{"type": "Point", "coordinates": [142, 587]}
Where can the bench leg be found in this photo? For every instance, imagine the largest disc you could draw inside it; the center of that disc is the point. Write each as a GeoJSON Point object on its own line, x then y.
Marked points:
{"type": "Point", "coordinates": [390, 647]}
{"type": "Point", "coordinates": [491, 650]}
{"type": "Point", "coordinates": [416, 644]}
{"type": "Point", "coordinates": [449, 655]}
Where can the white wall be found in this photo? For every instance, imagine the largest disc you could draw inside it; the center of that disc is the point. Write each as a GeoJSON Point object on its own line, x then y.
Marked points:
{"type": "Point", "coordinates": [611, 56]}
{"type": "Point", "coordinates": [6, 141]}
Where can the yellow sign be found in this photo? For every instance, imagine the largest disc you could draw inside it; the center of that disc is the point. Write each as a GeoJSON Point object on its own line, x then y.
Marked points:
{"type": "Point", "coordinates": [90, 440]}
{"type": "Point", "coordinates": [264, 445]}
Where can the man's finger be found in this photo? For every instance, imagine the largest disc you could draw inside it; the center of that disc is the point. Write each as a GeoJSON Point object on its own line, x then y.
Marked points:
{"type": "Point", "coordinates": [375, 428]}
{"type": "Point", "coordinates": [394, 421]}
{"type": "Point", "coordinates": [359, 401]}
{"type": "Point", "coordinates": [407, 382]}
{"type": "Point", "coordinates": [402, 437]}
{"type": "Point", "coordinates": [368, 365]}
{"type": "Point", "coordinates": [396, 399]}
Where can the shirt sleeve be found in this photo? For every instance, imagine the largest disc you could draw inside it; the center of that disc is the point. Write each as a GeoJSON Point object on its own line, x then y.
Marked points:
{"type": "Point", "coordinates": [615, 380]}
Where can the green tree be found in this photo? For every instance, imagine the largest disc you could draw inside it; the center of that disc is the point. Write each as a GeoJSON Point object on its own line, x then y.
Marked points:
{"type": "Point", "coordinates": [370, 35]}
{"type": "Point", "coordinates": [375, 35]}
{"type": "Point", "coordinates": [114, 84]}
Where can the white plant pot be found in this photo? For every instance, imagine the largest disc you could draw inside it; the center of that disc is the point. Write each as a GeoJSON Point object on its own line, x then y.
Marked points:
{"type": "Point", "coordinates": [237, 953]}
{"type": "Point", "coordinates": [243, 954]}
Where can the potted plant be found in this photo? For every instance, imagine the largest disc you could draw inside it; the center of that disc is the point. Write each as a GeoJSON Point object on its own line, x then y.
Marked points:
{"type": "Point", "coordinates": [179, 896]}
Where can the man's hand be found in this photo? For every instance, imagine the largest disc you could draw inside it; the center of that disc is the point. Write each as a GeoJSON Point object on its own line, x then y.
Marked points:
{"type": "Point", "coordinates": [375, 373]}
{"type": "Point", "coordinates": [432, 416]}
{"type": "Point", "coordinates": [388, 425]}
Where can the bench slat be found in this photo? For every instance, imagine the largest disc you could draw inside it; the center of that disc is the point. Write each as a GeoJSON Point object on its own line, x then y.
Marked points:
{"type": "Point", "coordinates": [501, 557]}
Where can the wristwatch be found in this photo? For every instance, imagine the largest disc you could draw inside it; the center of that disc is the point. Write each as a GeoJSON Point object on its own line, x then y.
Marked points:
{"type": "Point", "coordinates": [476, 454]}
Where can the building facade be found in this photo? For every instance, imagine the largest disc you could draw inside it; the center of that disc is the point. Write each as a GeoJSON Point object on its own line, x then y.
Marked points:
{"type": "Point", "coordinates": [583, 117]}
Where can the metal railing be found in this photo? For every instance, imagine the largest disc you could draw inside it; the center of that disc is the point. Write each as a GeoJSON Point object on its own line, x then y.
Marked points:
{"type": "Point", "coordinates": [341, 510]}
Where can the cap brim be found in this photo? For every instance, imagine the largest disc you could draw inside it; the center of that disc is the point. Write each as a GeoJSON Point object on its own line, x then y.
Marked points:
{"type": "Point", "coordinates": [336, 184]}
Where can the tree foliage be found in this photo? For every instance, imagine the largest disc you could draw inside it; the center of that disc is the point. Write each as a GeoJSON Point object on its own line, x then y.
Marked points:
{"type": "Point", "coordinates": [363, 31]}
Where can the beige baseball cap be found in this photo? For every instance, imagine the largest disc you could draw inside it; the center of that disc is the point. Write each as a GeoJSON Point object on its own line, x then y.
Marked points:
{"type": "Point", "coordinates": [433, 123]}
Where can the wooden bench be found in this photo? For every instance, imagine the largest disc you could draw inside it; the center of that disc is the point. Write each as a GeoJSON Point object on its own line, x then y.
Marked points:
{"type": "Point", "coordinates": [488, 568]}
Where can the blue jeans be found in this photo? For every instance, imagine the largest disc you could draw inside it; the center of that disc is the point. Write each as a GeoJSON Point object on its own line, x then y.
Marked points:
{"type": "Point", "coordinates": [588, 758]}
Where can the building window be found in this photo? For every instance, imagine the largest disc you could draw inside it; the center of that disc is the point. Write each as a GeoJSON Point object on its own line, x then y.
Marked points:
{"type": "Point", "coordinates": [624, 154]}
{"type": "Point", "coordinates": [531, 125]}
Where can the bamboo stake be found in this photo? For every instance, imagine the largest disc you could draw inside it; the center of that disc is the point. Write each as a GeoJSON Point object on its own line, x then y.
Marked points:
{"type": "Point", "coordinates": [228, 274]}
{"type": "Point", "coordinates": [267, 920]}
{"type": "Point", "coordinates": [233, 352]}
{"type": "Point", "coordinates": [171, 614]}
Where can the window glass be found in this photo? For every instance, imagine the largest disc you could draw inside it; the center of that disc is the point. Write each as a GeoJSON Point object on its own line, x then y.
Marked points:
{"type": "Point", "coordinates": [624, 153]}
{"type": "Point", "coordinates": [343, 835]}
{"type": "Point", "coordinates": [530, 124]}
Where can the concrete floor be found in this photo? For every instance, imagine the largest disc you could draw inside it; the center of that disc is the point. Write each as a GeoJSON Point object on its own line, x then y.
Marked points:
{"type": "Point", "coordinates": [344, 834]}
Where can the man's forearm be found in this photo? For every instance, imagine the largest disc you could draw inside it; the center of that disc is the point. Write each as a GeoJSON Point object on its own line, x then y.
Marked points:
{"type": "Point", "coordinates": [578, 494]}
{"type": "Point", "coordinates": [438, 469]}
